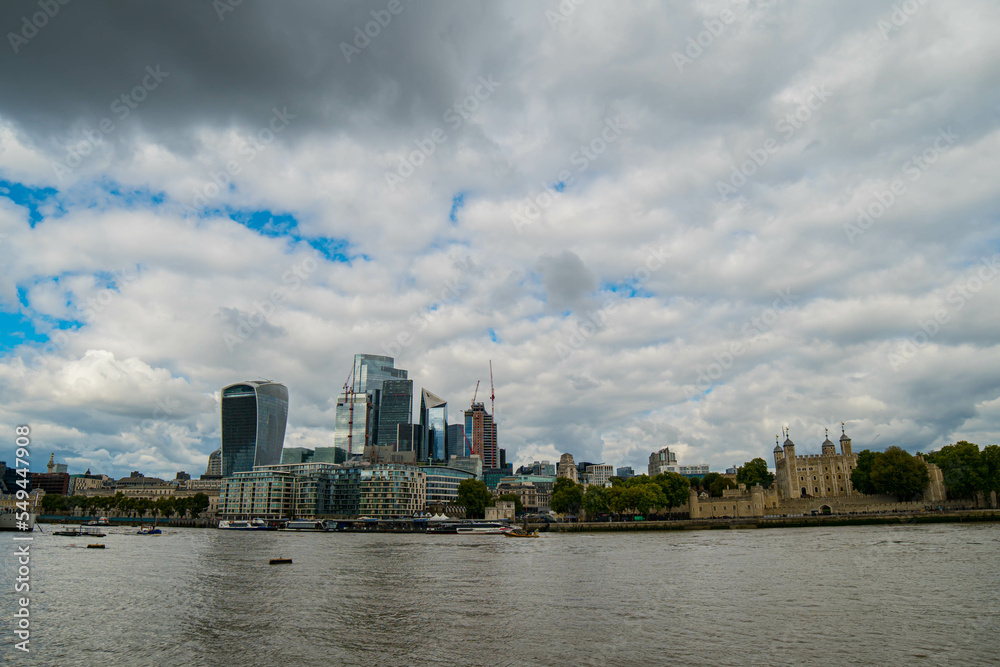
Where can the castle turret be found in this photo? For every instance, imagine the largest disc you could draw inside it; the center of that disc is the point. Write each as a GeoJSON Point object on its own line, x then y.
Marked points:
{"type": "Point", "coordinates": [828, 448]}
{"type": "Point", "coordinates": [845, 442]}
{"type": "Point", "coordinates": [778, 454]}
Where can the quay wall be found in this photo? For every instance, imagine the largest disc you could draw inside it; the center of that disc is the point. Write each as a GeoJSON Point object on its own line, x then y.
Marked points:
{"type": "Point", "coordinates": [777, 522]}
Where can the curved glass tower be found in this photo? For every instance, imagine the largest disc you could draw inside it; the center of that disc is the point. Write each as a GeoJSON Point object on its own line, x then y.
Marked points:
{"type": "Point", "coordinates": [254, 414]}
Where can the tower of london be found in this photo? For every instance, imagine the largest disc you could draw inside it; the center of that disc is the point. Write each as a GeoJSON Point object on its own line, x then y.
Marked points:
{"type": "Point", "coordinates": [817, 476]}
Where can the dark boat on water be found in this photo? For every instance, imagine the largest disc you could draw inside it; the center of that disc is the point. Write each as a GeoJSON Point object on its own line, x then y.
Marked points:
{"type": "Point", "coordinates": [79, 531]}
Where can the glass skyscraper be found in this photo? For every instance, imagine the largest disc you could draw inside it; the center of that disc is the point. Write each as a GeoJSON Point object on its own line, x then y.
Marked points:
{"type": "Point", "coordinates": [456, 444]}
{"type": "Point", "coordinates": [396, 408]}
{"type": "Point", "coordinates": [254, 415]}
{"type": "Point", "coordinates": [357, 420]}
{"type": "Point", "coordinates": [433, 422]}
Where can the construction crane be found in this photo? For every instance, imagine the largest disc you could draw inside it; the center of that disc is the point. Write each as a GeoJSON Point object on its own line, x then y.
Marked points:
{"type": "Point", "coordinates": [493, 406]}
{"type": "Point", "coordinates": [475, 393]}
{"type": "Point", "coordinates": [349, 397]}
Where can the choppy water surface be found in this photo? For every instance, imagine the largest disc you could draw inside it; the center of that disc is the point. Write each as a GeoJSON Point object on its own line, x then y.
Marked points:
{"type": "Point", "coordinates": [923, 595]}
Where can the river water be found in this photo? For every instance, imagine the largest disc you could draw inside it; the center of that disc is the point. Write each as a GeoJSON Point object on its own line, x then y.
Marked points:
{"type": "Point", "coordinates": [880, 595]}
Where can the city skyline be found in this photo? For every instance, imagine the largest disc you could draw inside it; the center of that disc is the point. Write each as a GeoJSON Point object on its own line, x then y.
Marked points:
{"type": "Point", "coordinates": [682, 226]}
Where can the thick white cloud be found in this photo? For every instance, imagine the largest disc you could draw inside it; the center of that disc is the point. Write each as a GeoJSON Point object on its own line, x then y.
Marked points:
{"type": "Point", "coordinates": [790, 224]}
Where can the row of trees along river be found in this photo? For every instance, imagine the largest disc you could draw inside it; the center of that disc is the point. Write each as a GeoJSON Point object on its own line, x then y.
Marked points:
{"type": "Point", "coordinates": [967, 472]}
{"type": "Point", "coordinates": [124, 505]}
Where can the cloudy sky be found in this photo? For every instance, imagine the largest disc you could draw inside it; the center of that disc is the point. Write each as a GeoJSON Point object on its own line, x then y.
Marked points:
{"type": "Point", "coordinates": [667, 224]}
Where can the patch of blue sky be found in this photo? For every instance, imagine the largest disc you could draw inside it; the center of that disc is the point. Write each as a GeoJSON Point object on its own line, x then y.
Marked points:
{"type": "Point", "coordinates": [494, 336]}
{"type": "Point", "coordinates": [630, 289]}
{"type": "Point", "coordinates": [33, 199]}
{"type": "Point", "coordinates": [132, 197]}
{"type": "Point", "coordinates": [559, 186]}
{"type": "Point", "coordinates": [457, 202]}
{"type": "Point", "coordinates": [19, 328]}
{"type": "Point", "coordinates": [286, 225]}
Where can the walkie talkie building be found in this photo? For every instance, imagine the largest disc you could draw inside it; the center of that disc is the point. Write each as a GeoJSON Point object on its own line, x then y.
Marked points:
{"type": "Point", "coordinates": [254, 415]}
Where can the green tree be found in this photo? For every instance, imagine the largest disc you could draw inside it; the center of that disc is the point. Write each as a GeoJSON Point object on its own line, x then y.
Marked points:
{"type": "Point", "coordinates": [199, 503]}
{"type": "Point", "coordinates": [475, 497]}
{"type": "Point", "coordinates": [695, 482]}
{"type": "Point", "coordinates": [708, 480]}
{"type": "Point", "coordinates": [595, 501]}
{"type": "Point", "coordinates": [518, 505]}
{"type": "Point", "coordinates": [963, 469]}
{"type": "Point", "coordinates": [641, 498]}
{"type": "Point", "coordinates": [567, 496]}
{"type": "Point", "coordinates": [861, 475]}
{"type": "Point", "coordinates": [676, 488]}
{"type": "Point", "coordinates": [754, 472]}
{"type": "Point", "coordinates": [896, 472]}
{"type": "Point", "coordinates": [719, 485]}
{"type": "Point", "coordinates": [52, 502]}
{"type": "Point", "coordinates": [991, 462]}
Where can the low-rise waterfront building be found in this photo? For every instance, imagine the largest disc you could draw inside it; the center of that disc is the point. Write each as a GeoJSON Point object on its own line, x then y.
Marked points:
{"type": "Point", "coordinates": [391, 490]}
{"type": "Point", "coordinates": [442, 483]}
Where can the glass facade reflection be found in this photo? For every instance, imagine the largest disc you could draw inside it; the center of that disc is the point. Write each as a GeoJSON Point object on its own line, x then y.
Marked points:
{"type": "Point", "coordinates": [254, 415]}
{"type": "Point", "coordinates": [433, 422]}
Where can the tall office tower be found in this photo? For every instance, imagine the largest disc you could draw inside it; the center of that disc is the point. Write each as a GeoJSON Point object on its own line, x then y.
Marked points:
{"type": "Point", "coordinates": [456, 444]}
{"type": "Point", "coordinates": [503, 458]}
{"type": "Point", "coordinates": [371, 371]}
{"type": "Point", "coordinates": [396, 408]}
{"type": "Point", "coordinates": [254, 415]}
{"type": "Point", "coordinates": [408, 437]}
{"type": "Point", "coordinates": [352, 428]}
{"type": "Point", "coordinates": [433, 422]}
{"type": "Point", "coordinates": [214, 463]}
{"type": "Point", "coordinates": [482, 434]}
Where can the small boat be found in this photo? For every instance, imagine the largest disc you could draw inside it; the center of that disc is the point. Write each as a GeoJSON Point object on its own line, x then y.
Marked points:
{"type": "Point", "coordinates": [470, 528]}
{"type": "Point", "coordinates": [153, 530]}
{"type": "Point", "coordinates": [99, 521]}
{"type": "Point", "coordinates": [80, 531]}
{"type": "Point", "coordinates": [95, 546]}
{"type": "Point", "coordinates": [520, 532]}
{"type": "Point", "coordinates": [242, 524]}
{"type": "Point", "coordinates": [281, 561]}
{"type": "Point", "coordinates": [304, 526]}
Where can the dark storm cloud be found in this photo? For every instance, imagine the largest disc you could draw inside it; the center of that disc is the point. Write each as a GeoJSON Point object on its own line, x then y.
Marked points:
{"type": "Point", "coordinates": [234, 67]}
